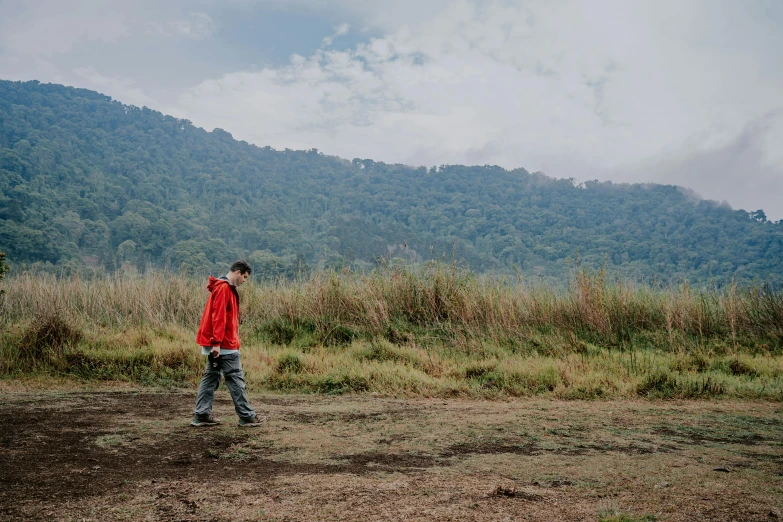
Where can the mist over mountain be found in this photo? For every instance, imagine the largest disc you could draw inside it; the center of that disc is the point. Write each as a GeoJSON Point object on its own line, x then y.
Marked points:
{"type": "Point", "coordinates": [86, 180]}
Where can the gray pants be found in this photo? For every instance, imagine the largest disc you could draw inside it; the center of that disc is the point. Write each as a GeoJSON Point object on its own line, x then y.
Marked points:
{"type": "Point", "coordinates": [231, 368]}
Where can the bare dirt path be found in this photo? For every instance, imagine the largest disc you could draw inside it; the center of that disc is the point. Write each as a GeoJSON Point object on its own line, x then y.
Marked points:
{"type": "Point", "coordinates": [131, 455]}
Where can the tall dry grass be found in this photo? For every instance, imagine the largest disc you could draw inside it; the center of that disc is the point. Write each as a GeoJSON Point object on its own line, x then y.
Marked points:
{"type": "Point", "coordinates": [438, 301]}
{"type": "Point", "coordinates": [437, 330]}
{"type": "Point", "coordinates": [156, 298]}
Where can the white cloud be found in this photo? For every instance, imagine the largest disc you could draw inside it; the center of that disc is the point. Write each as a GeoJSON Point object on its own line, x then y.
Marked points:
{"type": "Point", "coordinates": [49, 27]}
{"type": "Point", "coordinates": [577, 89]}
{"type": "Point", "coordinates": [340, 30]}
{"type": "Point", "coordinates": [745, 171]}
{"type": "Point", "coordinates": [74, 41]}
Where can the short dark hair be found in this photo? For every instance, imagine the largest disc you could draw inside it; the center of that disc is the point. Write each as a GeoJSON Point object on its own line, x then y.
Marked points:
{"type": "Point", "coordinates": [242, 267]}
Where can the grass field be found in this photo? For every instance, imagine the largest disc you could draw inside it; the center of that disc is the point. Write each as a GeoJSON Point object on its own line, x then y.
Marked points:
{"type": "Point", "coordinates": [404, 394]}
{"type": "Point", "coordinates": [432, 332]}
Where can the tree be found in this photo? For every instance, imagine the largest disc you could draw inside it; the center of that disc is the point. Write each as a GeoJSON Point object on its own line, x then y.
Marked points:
{"type": "Point", "coordinates": [82, 175]}
{"type": "Point", "coordinates": [126, 252]}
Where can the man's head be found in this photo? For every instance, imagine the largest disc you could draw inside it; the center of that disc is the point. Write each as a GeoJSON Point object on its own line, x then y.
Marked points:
{"type": "Point", "coordinates": [239, 273]}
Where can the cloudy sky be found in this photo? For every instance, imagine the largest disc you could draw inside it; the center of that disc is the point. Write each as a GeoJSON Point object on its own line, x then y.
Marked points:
{"type": "Point", "coordinates": [688, 92]}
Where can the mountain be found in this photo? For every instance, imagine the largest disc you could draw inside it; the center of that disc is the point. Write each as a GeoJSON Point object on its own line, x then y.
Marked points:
{"type": "Point", "coordinates": [88, 180]}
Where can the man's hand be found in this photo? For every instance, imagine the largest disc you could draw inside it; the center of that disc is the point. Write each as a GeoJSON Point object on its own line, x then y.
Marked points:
{"type": "Point", "coordinates": [215, 351]}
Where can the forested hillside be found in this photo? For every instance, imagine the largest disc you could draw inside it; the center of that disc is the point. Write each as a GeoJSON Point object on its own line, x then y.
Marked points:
{"type": "Point", "coordinates": [85, 180]}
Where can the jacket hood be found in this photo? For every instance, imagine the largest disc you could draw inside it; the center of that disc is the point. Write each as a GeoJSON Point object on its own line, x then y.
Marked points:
{"type": "Point", "coordinates": [215, 281]}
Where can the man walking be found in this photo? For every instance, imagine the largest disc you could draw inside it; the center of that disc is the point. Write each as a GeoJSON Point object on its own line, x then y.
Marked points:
{"type": "Point", "coordinates": [218, 336]}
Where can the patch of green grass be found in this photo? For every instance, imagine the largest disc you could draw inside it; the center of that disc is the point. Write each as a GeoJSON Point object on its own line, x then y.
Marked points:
{"type": "Point", "coordinates": [237, 453]}
{"type": "Point", "coordinates": [382, 350]}
{"type": "Point", "coordinates": [336, 383]}
{"type": "Point", "coordinates": [142, 365]}
{"type": "Point", "coordinates": [665, 385]}
{"type": "Point", "coordinates": [480, 369]}
{"type": "Point", "coordinates": [111, 440]}
{"type": "Point", "coordinates": [340, 384]}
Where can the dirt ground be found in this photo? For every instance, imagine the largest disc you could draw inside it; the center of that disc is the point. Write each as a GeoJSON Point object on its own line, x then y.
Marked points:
{"type": "Point", "coordinates": [131, 455]}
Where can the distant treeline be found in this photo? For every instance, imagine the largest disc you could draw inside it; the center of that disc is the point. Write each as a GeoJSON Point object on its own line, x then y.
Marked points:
{"type": "Point", "coordinates": [87, 181]}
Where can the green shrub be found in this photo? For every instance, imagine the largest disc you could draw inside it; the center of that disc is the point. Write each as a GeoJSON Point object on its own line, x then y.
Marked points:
{"type": "Point", "coordinates": [690, 363]}
{"type": "Point", "coordinates": [382, 351]}
{"type": "Point", "coordinates": [704, 388]}
{"type": "Point", "coordinates": [290, 363]}
{"type": "Point", "coordinates": [46, 339]}
{"type": "Point", "coordinates": [526, 382]}
{"type": "Point", "coordinates": [658, 384]}
{"type": "Point", "coordinates": [333, 333]}
{"type": "Point", "coordinates": [277, 331]}
{"type": "Point", "coordinates": [478, 370]}
{"type": "Point", "coordinates": [663, 385]}
{"type": "Point", "coordinates": [734, 366]}
{"type": "Point", "coordinates": [110, 366]}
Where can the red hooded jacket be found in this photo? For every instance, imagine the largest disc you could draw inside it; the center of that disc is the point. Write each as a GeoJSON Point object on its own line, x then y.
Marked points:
{"type": "Point", "coordinates": [220, 320]}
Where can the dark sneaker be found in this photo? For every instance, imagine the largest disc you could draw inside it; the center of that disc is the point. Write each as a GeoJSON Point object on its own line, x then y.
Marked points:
{"type": "Point", "coordinates": [209, 420]}
{"type": "Point", "coordinates": [255, 422]}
